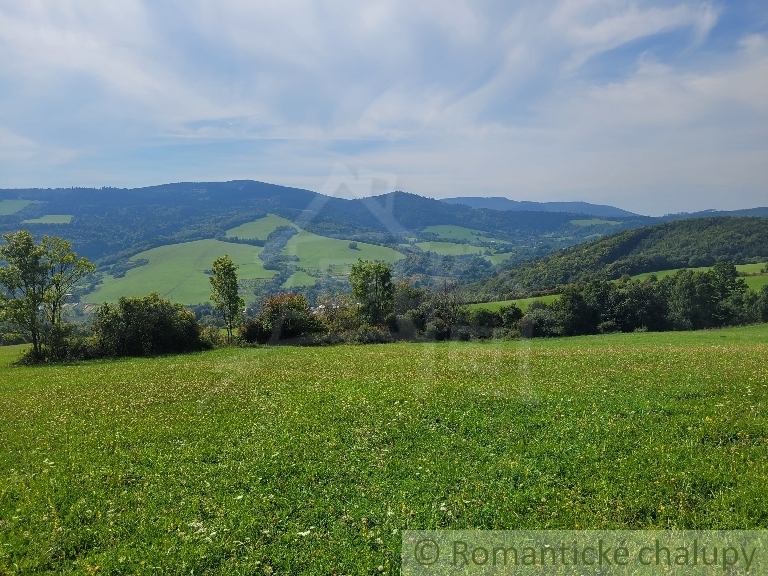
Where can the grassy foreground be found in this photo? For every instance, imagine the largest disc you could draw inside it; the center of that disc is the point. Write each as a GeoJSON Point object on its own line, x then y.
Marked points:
{"type": "Point", "coordinates": [311, 460]}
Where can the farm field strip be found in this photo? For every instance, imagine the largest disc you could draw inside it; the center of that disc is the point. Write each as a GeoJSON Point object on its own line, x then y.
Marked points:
{"type": "Point", "coordinates": [522, 303]}
{"type": "Point", "coordinates": [50, 219]}
{"type": "Point", "coordinates": [460, 233]}
{"type": "Point", "coordinates": [8, 207]}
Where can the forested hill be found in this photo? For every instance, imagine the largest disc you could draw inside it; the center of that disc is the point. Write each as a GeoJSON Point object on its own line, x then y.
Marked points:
{"type": "Point", "coordinates": [499, 203]}
{"type": "Point", "coordinates": [111, 221]}
{"type": "Point", "coordinates": [681, 243]}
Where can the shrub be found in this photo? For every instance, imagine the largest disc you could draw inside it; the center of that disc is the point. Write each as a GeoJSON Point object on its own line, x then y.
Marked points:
{"type": "Point", "coordinates": [438, 330]}
{"type": "Point", "coordinates": [510, 315]}
{"type": "Point", "coordinates": [527, 326]}
{"type": "Point", "coordinates": [212, 337]}
{"type": "Point", "coordinates": [146, 326]}
{"type": "Point", "coordinates": [338, 313]}
{"type": "Point", "coordinates": [367, 334]}
{"type": "Point", "coordinates": [483, 318]}
{"type": "Point", "coordinates": [607, 327]}
{"type": "Point", "coordinates": [762, 304]}
{"type": "Point", "coordinates": [253, 331]}
{"type": "Point", "coordinates": [282, 317]}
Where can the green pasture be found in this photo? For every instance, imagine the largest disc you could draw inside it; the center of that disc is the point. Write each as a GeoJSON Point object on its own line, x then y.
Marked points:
{"type": "Point", "coordinates": [176, 271]}
{"type": "Point", "coordinates": [459, 233]}
{"type": "Point", "coordinates": [290, 460]}
{"type": "Point", "coordinates": [498, 258]}
{"type": "Point", "coordinates": [449, 248]}
{"type": "Point", "coordinates": [299, 278]}
{"type": "Point", "coordinates": [319, 252]}
{"type": "Point", "coordinates": [315, 252]}
{"type": "Point", "coordinates": [259, 229]}
{"type": "Point", "coordinates": [594, 222]}
{"type": "Point", "coordinates": [743, 268]}
{"type": "Point", "coordinates": [50, 219]}
{"type": "Point", "coordinates": [8, 207]}
{"type": "Point", "coordinates": [522, 303]}
{"type": "Point", "coordinates": [756, 282]}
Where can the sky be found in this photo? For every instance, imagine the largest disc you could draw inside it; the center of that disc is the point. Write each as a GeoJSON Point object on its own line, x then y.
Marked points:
{"type": "Point", "coordinates": [651, 106]}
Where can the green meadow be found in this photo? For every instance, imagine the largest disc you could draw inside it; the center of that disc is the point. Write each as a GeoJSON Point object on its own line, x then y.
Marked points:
{"type": "Point", "coordinates": [259, 229]}
{"type": "Point", "coordinates": [289, 460]}
{"type": "Point", "coordinates": [521, 303]}
{"type": "Point", "coordinates": [299, 278]}
{"type": "Point", "coordinates": [176, 271]}
{"type": "Point", "coordinates": [756, 282]}
{"type": "Point", "coordinates": [459, 233]}
{"type": "Point", "coordinates": [50, 219]}
{"type": "Point", "coordinates": [449, 248]}
{"type": "Point", "coordinates": [450, 232]}
{"type": "Point", "coordinates": [742, 268]}
{"type": "Point", "coordinates": [594, 222]}
{"type": "Point", "coordinates": [8, 207]}
{"type": "Point", "coordinates": [319, 252]}
{"type": "Point", "coordinates": [315, 252]}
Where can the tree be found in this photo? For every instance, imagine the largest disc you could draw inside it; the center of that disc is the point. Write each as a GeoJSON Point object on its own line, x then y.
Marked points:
{"type": "Point", "coordinates": [65, 270]}
{"type": "Point", "coordinates": [224, 293]}
{"type": "Point", "coordinates": [37, 279]}
{"type": "Point", "coordinates": [25, 279]}
{"type": "Point", "coordinates": [372, 287]}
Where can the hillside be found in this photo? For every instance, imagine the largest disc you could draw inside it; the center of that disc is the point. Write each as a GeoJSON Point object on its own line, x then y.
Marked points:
{"type": "Point", "coordinates": [178, 271]}
{"type": "Point", "coordinates": [677, 244]}
{"type": "Point", "coordinates": [430, 239]}
{"type": "Point", "coordinates": [110, 223]}
{"type": "Point", "coordinates": [500, 203]}
{"type": "Point", "coordinates": [116, 228]}
{"type": "Point", "coordinates": [107, 222]}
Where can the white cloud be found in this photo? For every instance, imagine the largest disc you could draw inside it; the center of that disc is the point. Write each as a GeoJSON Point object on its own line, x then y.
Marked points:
{"type": "Point", "coordinates": [455, 97]}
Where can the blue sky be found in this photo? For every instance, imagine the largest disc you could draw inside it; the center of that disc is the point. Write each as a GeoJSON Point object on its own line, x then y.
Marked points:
{"type": "Point", "coordinates": [653, 106]}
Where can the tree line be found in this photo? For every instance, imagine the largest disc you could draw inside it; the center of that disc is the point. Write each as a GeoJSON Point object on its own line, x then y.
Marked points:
{"type": "Point", "coordinates": [36, 279]}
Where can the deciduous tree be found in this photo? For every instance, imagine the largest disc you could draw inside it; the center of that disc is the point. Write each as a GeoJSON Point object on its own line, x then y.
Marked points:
{"type": "Point", "coordinates": [224, 293]}
{"type": "Point", "coordinates": [372, 287]}
{"type": "Point", "coordinates": [36, 279]}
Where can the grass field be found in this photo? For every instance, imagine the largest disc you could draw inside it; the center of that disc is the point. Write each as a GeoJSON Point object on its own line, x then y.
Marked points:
{"type": "Point", "coordinates": [743, 268]}
{"type": "Point", "coordinates": [259, 229]}
{"type": "Point", "coordinates": [498, 258]}
{"type": "Point", "coordinates": [522, 303]}
{"type": "Point", "coordinates": [8, 207]}
{"type": "Point", "coordinates": [176, 272]}
{"type": "Point", "coordinates": [299, 278]}
{"type": "Point", "coordinates": [50, 219]}
{"type": "Point", "coordinates": [756, 282]}
{"type": "Point", "coordinates": [594, 222]}
{"type": "Point", "coordinates": [315, 252]}
{"type": "Point", "coordinates": [319, 252]}
{"type": "Point", "coordinates": [449, 248]}
{"type": "Point", "coordinates": [459, 233]}
{"type": "Point", "coordinates": [312, 460]}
